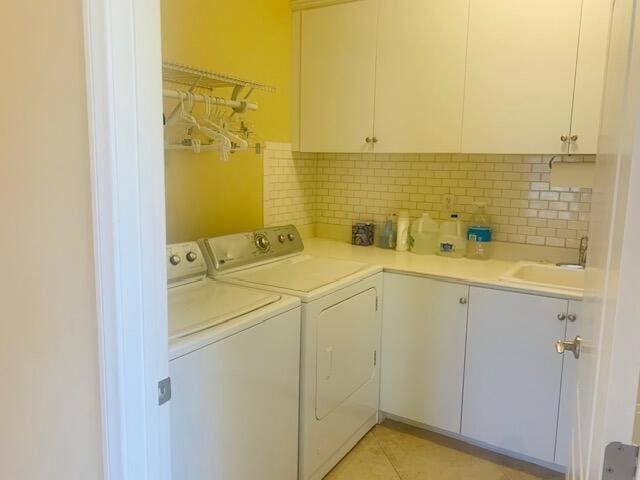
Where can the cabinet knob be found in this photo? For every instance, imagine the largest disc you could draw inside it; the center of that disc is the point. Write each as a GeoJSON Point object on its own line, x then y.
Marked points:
{"type": "Point", "coordinates": [574, 138]}
{"type": "Point", "coordinates": [375, 139]}
{"type": "Point", "coordinates": [564, 138]}
{"type": "Point", "coordinates": [572, 317]}
{"type": "Point", "coordinates": [562, 317]}
{"type": "Point", "coordinates": [368, 140]}
{"type": "Point", "coordinates": [463, 301]}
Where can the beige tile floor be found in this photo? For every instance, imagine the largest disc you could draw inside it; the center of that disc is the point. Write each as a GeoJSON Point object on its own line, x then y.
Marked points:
{"type": "Point", "coordinates": [393, 451]}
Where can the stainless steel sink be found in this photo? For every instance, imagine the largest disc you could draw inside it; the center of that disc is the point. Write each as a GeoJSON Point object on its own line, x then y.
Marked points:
{"type": "Point", "coordinates": [566, 277]}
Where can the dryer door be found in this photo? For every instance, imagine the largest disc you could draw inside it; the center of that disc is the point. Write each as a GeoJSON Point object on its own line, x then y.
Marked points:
{"type": "Point", "coordinates": [347, 335]}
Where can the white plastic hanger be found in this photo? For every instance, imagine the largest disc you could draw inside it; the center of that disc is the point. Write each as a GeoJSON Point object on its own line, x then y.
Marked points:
{"type": "Point", "coordinates": [240, 143]}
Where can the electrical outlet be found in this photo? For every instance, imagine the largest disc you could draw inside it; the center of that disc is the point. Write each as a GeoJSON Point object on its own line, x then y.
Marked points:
{"type": "Point", "coordinates": [448, 202]}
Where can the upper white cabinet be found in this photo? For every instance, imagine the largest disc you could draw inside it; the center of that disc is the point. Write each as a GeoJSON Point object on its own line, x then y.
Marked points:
{"type": "Point", "coordinates": [513, 373]}
{"type": "Point", "coordinates": [589, 88]}
{"type": "Point", "coordinates": [423, 340]}
{"type": "Point", "coordinates": [337, 77]}
{"type": "Point", "coordinates": [471, 76]}
{"type": "Point", "coordinates": [420, 75]}
{"type": "Point", "coordinates": [521, 65]}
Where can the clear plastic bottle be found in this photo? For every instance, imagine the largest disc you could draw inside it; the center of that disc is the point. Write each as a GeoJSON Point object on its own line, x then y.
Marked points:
{"type": "Point", "coordinates": [423, 238]}
{"type": "Point", "coordinates": [479, 234]}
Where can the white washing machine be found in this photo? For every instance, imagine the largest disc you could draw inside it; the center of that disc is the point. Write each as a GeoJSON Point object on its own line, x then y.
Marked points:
{"type": "Point", "coordinates": [341, 320]}
{"type": "Point", "coordinates": [234, 365]}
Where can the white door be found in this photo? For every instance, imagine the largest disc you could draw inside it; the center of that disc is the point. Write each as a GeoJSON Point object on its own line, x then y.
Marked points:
{"type": "Point", "coordinates": [520, 75]}
{"type": "Point", "coordinates": [422, 48]}
{"type": "Point", "coordinates": [609, 366]}
{"type": "Point", "coordinates": [424, 328]}
{"type": "Point", "coordinates": [592, 56]}
{"type": "Point", "coordinates": [337, 77]}
{"type": "Point", "coordinates": [346, 350]}
{"type": "Point", "coordinates": [513, 373]}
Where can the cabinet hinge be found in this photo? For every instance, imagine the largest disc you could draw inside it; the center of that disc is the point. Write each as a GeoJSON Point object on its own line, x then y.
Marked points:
{"type": "Point", "coordinates": [375, 358]}
{"type": "Point", "coordinates": [620, 462]}
{"type": "Point", "coordinates": [164, 391]}
{"type": "Point", "coordinates": [376, 304]}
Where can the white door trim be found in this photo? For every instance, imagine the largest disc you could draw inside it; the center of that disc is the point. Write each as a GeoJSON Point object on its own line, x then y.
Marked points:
{"type": "Point", "coordinates": [297, 5]}
{"type": "Point", "coordinates": [124, 89]}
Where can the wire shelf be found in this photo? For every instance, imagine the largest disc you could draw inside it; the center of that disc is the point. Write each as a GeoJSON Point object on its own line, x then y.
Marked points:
{"type": "Point", "coordinates": [196, 78]}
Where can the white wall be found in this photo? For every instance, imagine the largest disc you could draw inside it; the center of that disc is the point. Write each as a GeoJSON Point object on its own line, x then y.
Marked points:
{"type": "Point", "coordinates": [49, 397]}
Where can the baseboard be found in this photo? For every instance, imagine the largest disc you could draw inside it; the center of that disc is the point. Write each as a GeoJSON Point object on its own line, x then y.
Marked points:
{"type": "Point", "coordinates": [470, 441]}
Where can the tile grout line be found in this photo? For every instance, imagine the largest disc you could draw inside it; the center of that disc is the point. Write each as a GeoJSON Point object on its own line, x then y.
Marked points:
{"type": "Point", "coordinates": [386, 456]}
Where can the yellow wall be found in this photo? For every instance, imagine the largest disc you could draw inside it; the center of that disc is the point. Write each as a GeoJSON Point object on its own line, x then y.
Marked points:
{"type": "Point", "coordinates": [250, 39]}
{"type": "Point", "coordinates": [49, 393]}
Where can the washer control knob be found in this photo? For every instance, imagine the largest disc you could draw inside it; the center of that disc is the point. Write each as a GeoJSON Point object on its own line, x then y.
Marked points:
{"type": "Point", "coordinates": [192, 256]}
{"type": "Point", "coordinates": [291, 237]}
{"type": "Point", "coordinates": [174, 259]}
{"type": "Point", "coordinates": [281, 238]}
{"type": "Point", "coordinates": [262, 242]}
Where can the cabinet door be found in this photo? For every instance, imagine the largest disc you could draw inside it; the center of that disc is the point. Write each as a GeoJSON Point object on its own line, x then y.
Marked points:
{"type": "Point", "coordinates": [423, 335]}
{"type": "Point", "coordinates": [337, 77]}
{"type": "Point", "coordinates": [568, 412]}
{"type": "Point", "coordinates": [420, 75]}
{"type": "Point", "coordinates": [592, 57]}
{"type": "Point", "coordinates": [513, 373]}
{"type": "Point", "coordinates": [520, 75]}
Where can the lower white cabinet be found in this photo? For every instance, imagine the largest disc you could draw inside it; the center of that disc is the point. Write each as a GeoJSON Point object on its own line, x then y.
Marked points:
{"type": "Point", "coordinates": [481, 363]}
{"type": "Point", "coordinates": [423, 343]}
{"type": "Point", "coordinates": [513, 374]}
{"type": "Point", "coordinates": [568, 413]}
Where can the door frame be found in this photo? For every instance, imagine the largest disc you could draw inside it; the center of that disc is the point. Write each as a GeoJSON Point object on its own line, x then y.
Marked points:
{"type": "Point", "coordinates": [615, 373]}
{"type": "Point", "coordinates": [124, 97]}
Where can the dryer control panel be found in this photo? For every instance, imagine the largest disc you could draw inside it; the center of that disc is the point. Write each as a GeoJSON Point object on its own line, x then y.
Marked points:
{"type": "Point", "coordinates": [243, 249]}
{"type": "Point", "coordinates": [185, 263]}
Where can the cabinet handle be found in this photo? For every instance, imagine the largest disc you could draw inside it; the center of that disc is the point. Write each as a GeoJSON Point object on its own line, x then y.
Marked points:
{"type": "Point", "coordinates": [562, 317]}
{"type": "Point", "coordinates": [565, 346]}
{"type": "Point", "coordinates": [463, 301]}
{"type": "Point", "coordinates": [572, 317]}
{"type": "Point", "coordinates": [564, 138]}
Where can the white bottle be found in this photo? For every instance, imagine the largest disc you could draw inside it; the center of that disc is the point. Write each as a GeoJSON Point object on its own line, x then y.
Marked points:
{"type": "Point", "coordinates": [402, 242]}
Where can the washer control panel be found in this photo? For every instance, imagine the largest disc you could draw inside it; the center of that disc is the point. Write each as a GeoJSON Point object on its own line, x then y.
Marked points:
{"type": "Point", "coordinates": [185, 261]}
{"type": "Point", "coordinates": [232, 251]}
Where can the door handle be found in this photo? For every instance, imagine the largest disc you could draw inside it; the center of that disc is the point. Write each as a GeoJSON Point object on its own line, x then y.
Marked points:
{"type": "Point", "coordinates": [570, 346]}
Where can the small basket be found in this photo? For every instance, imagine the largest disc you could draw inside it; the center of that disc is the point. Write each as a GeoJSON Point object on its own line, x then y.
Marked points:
{"type": "Point", "coordinates": [362, 233]}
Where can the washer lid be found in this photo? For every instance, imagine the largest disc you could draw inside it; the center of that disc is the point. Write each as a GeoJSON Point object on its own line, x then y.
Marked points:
{"type": "Point", "coordinates": [198, 306]}
{"type": "Point", "coordinates": [302, 273]}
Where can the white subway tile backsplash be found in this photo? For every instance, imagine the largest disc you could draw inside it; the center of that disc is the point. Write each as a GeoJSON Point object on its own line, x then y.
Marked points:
{"type": "Point", "coordinates": [337, 189]}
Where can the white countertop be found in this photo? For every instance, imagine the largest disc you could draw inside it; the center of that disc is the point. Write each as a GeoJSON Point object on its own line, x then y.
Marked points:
{"type": "Point", "coordinates": [463, 270]}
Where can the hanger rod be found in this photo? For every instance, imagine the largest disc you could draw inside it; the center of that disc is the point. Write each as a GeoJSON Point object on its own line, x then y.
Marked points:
{"type": "Point", "coordinates": [238, 105]}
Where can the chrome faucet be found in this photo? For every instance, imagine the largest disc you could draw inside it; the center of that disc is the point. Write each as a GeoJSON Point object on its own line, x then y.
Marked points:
{"type": "Point", "coordinates": [582, 255]}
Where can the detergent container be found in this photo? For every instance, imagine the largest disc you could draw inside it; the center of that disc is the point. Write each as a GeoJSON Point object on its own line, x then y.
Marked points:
{"type": "Point", "coordinates": [402, 240]}
{"type": "Point", "coordinates": [424, 234]}
{"type": "Point", "coordinates": [451, 242]}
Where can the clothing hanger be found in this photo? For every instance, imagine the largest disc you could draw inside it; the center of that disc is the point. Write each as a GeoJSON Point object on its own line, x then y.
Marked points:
{"type": "Point", "coordinates": [221, 128]}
